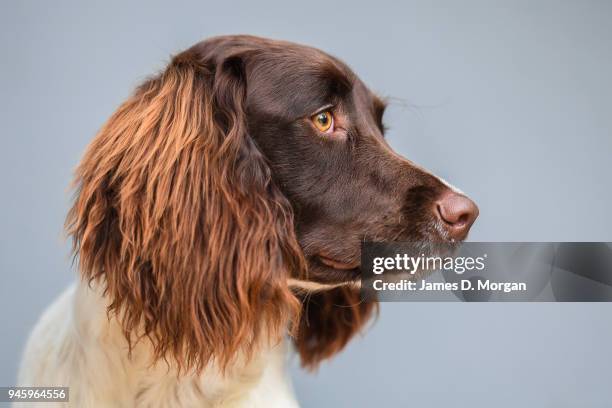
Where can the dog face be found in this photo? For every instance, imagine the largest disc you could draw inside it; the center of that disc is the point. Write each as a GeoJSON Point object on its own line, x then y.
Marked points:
{"type": "Point", "coordinates": [245, 165]}
{"type": "Point", "coordinates": [321, 131]}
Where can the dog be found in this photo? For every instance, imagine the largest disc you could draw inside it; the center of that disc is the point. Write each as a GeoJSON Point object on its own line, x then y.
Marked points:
{"type": "Point", "coordinates": [217, 217]}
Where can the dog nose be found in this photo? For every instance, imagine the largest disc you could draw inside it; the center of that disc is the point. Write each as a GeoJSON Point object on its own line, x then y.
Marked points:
{"type": "Point", "coordinates": [458, 213]}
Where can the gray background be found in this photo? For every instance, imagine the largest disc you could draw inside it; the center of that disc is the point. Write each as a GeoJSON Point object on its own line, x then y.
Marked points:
{"type": "Point", "coordinates": [510, 101]}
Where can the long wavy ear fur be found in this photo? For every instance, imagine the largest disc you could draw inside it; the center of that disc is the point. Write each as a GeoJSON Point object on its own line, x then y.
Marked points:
{"type": "Point", "coordinates": [176, 215]}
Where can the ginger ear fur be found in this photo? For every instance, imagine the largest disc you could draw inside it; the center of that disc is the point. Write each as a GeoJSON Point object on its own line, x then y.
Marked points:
{"type": "Point", "coordinates": [176, 214]}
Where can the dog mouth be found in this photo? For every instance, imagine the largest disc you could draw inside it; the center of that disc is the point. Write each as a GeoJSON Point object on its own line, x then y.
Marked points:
{"type": "Point", "coordinates": [326, 270]}
{"type": "Point", "coordinates": [327, 273]}
{"type": "Point", "coordinates": [339, 265]}
{"type": "Point", "coordinates": [333, 270]}
{"type": "Point", "coordinates": [344, 265]}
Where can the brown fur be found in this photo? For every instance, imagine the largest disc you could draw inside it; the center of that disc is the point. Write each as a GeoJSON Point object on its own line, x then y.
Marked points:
{"type": "Point", "coordinates": [329, 320]}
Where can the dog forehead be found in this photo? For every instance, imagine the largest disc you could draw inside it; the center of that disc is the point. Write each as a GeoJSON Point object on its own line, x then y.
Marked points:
{"type": "Point", "coordinates": [296, 65]}
{"type": "Point", "coordinates": [299, 79]}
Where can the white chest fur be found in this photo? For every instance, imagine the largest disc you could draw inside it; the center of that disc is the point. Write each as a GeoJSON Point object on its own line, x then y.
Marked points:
{"type": "Point", "coordinates": [74, 344]}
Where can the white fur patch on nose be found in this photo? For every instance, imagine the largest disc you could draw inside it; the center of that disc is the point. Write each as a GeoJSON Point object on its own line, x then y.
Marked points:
{"type": "Point", "coordinates": [449, 185]}
{"type": "Point", "coordinates": [446, 183]}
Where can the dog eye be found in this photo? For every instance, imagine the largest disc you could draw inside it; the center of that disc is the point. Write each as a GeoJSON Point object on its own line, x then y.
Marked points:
{"type": "Point", "coordinates": [323, 121]}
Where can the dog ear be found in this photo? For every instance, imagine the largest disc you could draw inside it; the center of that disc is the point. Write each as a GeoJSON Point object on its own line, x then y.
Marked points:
{"type": "Point", "coordinates": [329, 319]}
{"type": "Point", "coordinates": [177, 216]}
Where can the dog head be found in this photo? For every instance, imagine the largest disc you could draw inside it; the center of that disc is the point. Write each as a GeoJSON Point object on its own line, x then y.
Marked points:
{"type": "Point", "coordinates": [246, 165]}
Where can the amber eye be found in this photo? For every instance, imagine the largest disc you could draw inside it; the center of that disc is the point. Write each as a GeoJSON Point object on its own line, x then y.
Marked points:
{"type": "Point", "coordinates": [324, 121]}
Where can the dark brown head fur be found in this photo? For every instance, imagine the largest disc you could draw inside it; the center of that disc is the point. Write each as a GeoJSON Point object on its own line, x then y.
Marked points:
{"type": "Point", "coordinates": [210, 188]}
